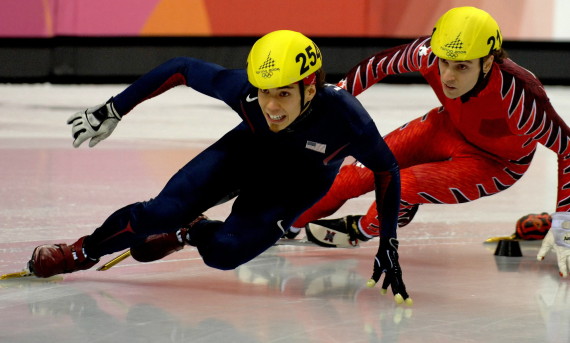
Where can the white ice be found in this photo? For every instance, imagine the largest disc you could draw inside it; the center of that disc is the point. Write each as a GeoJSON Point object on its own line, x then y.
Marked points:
{"type": "Point", "coordinates": [53, 193]}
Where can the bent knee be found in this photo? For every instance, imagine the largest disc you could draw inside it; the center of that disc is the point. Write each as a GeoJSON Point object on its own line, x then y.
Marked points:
{"type": "Point", "coordinates": [221, 264]}
{"type": "Point", "coordinates": [224, 255]}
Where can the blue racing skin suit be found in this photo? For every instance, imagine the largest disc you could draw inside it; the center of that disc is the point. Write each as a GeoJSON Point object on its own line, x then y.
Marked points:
{"type": "Point", "coordinates": [278, 175]}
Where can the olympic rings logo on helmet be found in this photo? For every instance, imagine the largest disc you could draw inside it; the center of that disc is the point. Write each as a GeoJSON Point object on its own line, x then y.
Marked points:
{"type": "Point", "coordinates": [267, 68]}
{"type": "Point", "coordinates": [281, 58]}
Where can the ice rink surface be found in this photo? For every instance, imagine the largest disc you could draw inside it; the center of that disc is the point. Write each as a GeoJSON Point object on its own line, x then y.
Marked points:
{"type": "Point", "coordinates": [53, 193]}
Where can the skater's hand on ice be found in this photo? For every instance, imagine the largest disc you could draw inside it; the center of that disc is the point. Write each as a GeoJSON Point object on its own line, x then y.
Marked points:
{"type": "Point", "coordinates": [96, 123]}
{"type": "Point", "coordinates": [558, 239]}
{"type": "Point", "coordinates": [386, 262]}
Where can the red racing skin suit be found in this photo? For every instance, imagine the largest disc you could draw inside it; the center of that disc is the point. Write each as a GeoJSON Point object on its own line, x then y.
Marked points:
{"type": "Point", "coordinates": [470, 147]}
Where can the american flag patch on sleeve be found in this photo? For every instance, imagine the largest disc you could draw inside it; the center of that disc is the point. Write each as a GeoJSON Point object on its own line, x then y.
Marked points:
{"type": "Point", "coordinates": [319, 147]}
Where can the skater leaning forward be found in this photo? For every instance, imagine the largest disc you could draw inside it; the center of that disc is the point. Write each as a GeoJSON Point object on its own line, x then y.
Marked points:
{"type": "Point", "coordinates": [300, 127]}
{"type": "Point", "coordinates": [479, 142]}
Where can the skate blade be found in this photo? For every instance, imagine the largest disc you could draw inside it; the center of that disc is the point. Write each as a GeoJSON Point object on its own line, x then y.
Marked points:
{"type": "Point", "coordinates": [499, 238]}
{"type": "Point", "coordinates": [296, 242]}
{"type": "Point", "coordinates": [23, 273]}
{"type": "Point", "coordinates": [114, 261]}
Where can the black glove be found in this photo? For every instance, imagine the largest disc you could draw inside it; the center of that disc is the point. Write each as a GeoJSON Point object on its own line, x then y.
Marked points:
{"type": "Point", "coordinates": [386, 261]}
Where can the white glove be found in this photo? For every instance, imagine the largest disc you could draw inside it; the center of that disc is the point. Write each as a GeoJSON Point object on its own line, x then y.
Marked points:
{"type": "Point", "coordinates": [558, 239]}
{"type": "Point", "coordinates": [96, 123]}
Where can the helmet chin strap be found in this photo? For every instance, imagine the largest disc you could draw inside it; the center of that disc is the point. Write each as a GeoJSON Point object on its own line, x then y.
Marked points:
{"type": "Point", "coordinates": [481, 83]}
{"type": "Point", "coordinates": [303, 105]}
{"type": "Point", "coordinates": [309, 80]}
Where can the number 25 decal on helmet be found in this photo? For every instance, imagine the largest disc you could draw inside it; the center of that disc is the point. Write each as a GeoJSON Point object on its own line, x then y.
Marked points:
{"type": "Point", "coordinates": [465, 33]}
{"type": "Point", "coordinates": [281, 58]}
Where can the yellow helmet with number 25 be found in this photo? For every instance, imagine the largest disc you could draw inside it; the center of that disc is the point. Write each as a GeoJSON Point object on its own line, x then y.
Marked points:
{"type": "Point", "coordinates": [465, 33]}
{"type": "Point", "coordinates": [281, 58]}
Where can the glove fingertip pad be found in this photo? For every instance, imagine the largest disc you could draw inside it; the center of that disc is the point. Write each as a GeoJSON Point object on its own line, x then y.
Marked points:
{"type": "Point", "coordinates": [399, 299]}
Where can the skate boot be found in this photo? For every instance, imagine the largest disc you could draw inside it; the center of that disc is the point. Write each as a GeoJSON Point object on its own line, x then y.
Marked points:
{"type": "Point", "coordinates": [335, 233]}
{"type": "Point", "coordinates": [290, 234]}
{"type": "Point", "coordinates": [161, 245]}
{"type": "Point", "coordinates": [52, 259]}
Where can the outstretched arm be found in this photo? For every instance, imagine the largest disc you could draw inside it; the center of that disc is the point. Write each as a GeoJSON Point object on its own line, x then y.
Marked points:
{"type": "Point", "coordinates": [97, 123]}
{"type": "Point", "coordinates": [382, 162]}
{"type": "Point", "coordinates": [191, 72]}
{"type": "Point", "coordinates": [401, 59]}
{"type": "Point", "coordinates": [387, 257]}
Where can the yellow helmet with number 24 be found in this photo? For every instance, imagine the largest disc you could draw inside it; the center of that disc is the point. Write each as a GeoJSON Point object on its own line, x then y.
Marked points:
{"type": "Point", "coordinates": [281, 58]}
{"type": "Point", "coordinates": [465, 33]}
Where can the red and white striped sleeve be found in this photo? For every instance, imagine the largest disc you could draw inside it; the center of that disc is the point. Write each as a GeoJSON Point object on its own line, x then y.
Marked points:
{"type": "Point", "coordinates": [401, 59]}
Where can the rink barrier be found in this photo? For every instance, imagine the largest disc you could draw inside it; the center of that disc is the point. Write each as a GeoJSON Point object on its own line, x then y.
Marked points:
{"type": "Point", "coordinates": [122, 60]}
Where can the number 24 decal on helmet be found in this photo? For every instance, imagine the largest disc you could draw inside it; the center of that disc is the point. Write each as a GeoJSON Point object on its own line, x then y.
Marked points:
{"type": "Point", "coordinates": [492, 40]}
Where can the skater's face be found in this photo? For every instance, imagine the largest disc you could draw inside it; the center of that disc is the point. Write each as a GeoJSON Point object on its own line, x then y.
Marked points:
{"type": "Point", "coordinates": [459, 77]}
{"type": "Point", "coordinates": [281, 106]}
